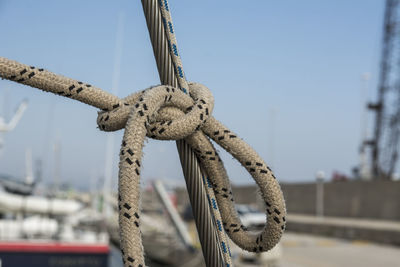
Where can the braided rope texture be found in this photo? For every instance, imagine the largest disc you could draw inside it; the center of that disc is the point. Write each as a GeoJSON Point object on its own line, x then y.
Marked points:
{"type": "Point", "coordinates": [181, 79]}
{"type": "Point", "coordinates": [167, 113]}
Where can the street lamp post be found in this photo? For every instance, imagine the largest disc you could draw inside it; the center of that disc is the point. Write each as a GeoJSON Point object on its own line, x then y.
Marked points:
{"type": "Point", "coordinates": [319, 203]}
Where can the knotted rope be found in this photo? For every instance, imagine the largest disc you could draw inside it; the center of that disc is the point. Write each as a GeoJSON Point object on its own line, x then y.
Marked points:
{"type": "Point", "coordinates": [167, 113]}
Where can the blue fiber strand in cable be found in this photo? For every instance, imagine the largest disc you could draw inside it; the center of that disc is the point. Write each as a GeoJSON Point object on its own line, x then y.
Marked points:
{"type": "Point", "coordinates": [180, 71]}
{"type": "Point", "coordinates": [219, 225]}
{"type": "Point", "coordinates": [171, 30]}
{"type": "Point", "coordinates": [175, 50]}
{"type": "Point", "coordinates": [223, 246]}
{"type": "Point", "coordinates": [214, 204]}
{"type": "Point", "coordinates": [166, 5]}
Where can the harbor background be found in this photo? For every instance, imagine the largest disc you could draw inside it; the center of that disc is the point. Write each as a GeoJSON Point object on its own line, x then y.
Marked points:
{"type": "Point", "coordinates": [304, 73]}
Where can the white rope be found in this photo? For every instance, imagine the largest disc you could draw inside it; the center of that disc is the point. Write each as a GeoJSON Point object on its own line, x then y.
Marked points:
{"type": "Point", "coordinates": [164, 112]}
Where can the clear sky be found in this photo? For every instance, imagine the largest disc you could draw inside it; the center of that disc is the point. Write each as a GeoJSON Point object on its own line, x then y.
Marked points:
{"type": "Point", "coordinates": [286, 77]}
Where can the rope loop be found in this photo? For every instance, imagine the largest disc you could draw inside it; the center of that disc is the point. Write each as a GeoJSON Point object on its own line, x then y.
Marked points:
{"type": "Point", "coordinates": [164, 112]}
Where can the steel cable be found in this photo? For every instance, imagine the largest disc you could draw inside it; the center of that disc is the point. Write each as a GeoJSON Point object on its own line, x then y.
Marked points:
{"type": "Point", "coordinates": [166, 54]}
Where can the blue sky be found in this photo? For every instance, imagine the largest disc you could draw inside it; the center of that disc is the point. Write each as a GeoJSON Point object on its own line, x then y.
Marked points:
{"type": "Point", "coordinates": [286, 77]}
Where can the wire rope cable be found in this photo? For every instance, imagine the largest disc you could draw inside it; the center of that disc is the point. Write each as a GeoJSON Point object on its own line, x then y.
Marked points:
{"type": "Point", "coordinates": [215, 248]}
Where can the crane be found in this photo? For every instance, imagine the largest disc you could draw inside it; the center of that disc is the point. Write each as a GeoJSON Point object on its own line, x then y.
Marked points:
{"type": "Point", "coordinates": [10, 125]}
{"type": "Point", "coordinates": [385, 141]}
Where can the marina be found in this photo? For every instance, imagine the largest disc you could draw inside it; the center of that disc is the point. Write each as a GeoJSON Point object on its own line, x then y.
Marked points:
{"type": "Point", "coordinates": [270, 138]}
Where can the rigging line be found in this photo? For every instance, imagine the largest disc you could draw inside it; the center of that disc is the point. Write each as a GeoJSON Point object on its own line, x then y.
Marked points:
{"type": "Point", "coordinates": [191, 169]}
{"type": "Point", "coordinates": [169, 31]}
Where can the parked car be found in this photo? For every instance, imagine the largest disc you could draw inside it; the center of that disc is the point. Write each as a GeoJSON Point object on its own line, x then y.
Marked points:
{"type": "Point", "coordinates": [251, 217]}
{"type": "Point", "coordinates": [254, 220]}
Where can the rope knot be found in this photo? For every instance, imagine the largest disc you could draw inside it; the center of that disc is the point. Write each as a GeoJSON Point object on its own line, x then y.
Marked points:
{"type": "Point", "coordinates": [164, 112]}
{"type": "Point", "coordinates": [167, 112]}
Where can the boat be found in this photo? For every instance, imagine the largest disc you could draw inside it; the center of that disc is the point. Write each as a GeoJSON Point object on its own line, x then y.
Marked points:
{"type": "Point", "coordinates": [42, 231]}
{"type": "Point", "coordinates": [166, 239]}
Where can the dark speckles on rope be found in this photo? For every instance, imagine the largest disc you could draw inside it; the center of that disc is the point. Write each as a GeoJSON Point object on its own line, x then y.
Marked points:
{"type": "Point", "coordinates": [166, 113]}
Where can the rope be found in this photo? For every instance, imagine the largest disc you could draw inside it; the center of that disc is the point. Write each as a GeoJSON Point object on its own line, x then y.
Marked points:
{"type": "Point", "coordinates": [212, 237]}
{"type": "Point", "coordinates": [166, 113]}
